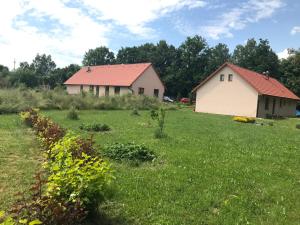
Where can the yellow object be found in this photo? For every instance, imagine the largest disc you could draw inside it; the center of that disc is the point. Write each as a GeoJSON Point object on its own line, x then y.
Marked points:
{"type": "Point", "coordinates": [244, 119]}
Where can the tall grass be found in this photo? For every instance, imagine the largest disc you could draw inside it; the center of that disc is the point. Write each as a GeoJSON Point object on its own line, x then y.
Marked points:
{"type": "Point", "coordinates": [16, 100]}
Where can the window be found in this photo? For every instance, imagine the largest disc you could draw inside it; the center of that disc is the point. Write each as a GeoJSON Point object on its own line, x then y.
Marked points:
{"type": "Point", "coordinates": [97, 90]}
{"type": "Point", "coordinates": [266, 103]}
{"type": "Point", "coordinates": [230, 76]}
{"type": "Point", "coordinates": [92, 88]}
{"type": "Point", "coordinates": [222, 77]}
{"type": "Point", "coordinates": [117, 90]}
{"type": "Point", "coordinates": [280, 102]}
{"type": "Point", "coordinates": [156, 93]}
{"type": "Point", "coordinates": [141, 91]}
{"type": "Point", "coordinates": [81, 88]}
{"type": "Point", "coordinates": [107, 91]}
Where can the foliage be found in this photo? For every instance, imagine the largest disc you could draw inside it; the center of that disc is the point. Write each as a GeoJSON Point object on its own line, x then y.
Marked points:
{"type": "Point", "coordinates": [98, 56]}
{"type": "Point", "coordinates": [244, 119]}
{"type": "Point", "coordinates": [73, 114]}
{"type": "Point", "coordinates": [160, 118]}
{"type": "Point", "coordinates": [135, 112]}
{"type": "Point", "coordinates": [72, 178]}
{"type": "Point", "coordinates": [298, 126]}
{"type": "Point", "coordinates": [129, 151]}
{"type": "Point", "coordinates": [257, 56]}
{"type": "Point", "coordinates": [97, 127]}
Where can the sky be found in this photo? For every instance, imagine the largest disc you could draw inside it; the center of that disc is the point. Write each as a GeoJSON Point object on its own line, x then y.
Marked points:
{"type": "Point", "coordinates": [66, 29]}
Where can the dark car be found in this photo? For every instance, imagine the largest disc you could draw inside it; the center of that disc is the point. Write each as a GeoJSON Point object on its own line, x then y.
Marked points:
{"type": "Point", "coordinates": [185, 100]}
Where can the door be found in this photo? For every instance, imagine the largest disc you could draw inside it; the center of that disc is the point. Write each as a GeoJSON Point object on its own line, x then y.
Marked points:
{"type": "Point", "coordinates": [274, 104]}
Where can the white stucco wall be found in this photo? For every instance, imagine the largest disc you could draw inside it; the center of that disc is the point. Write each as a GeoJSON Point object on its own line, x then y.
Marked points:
{"type": "Point", "coordinates": [149, 80]}
{"type": "Point", "coordinates": [229, 98]}
{"type": "Point", "coordinates": [75, 89]}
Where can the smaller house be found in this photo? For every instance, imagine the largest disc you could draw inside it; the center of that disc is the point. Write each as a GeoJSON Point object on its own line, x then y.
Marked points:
{"type": "Point", "coordinates": [120, 79]}
{"type": "Point", "coordinates": [233, 90]}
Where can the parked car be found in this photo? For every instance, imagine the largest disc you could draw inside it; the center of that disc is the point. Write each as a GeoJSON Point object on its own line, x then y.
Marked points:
{"type": "Point", "coordinates": [185, 100]}
{"type": "Point", "coordinates": [298, 113]}
{"type": "Point", "coordinates": [168, 99]}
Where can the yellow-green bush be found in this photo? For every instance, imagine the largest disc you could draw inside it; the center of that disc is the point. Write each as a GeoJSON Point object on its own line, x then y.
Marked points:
{"type": "Point", "coordinates": [244, 119]}
{"type": "Point", "coordinates": [72, 178]}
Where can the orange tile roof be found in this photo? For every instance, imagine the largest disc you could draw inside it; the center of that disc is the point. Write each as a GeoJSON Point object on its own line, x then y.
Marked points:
{"type": "Point", "coordinates": [108, 75]}
{"type": "Point", "coordinates": [263, 85]}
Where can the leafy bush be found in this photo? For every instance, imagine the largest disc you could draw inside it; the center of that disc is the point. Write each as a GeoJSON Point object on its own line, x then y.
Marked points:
{"type": "Point", "coordinates": [244, 119]}
{"type": "Point", "coordinates": [73, 114]}
{"type": "Point", "coordinates": [73, 178]}
{"type": "Point", "coordinates": [97, 127]}
{"type": "Point", "coordinates": [129, 151]}
{"type": "Point", "coordinates": [298, 126]}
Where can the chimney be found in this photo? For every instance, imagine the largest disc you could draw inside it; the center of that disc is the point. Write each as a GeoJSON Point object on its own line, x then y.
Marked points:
{"type": "Point", "coordinates": [88, 69]}
{"type": "Point", "coordinates": [267, 75]}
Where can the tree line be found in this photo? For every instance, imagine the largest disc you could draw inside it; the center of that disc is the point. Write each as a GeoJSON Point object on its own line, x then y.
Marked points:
{"type": "Point", "coordinates": [180, 68]}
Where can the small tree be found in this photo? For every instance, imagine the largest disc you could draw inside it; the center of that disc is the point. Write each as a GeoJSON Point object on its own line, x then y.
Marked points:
{"type": "Point", "coordinates": [160, 118]}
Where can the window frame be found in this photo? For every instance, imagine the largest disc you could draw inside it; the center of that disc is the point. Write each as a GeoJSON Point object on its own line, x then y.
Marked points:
{"type": "Point", "coordinates": [117, 90]}
{"type": "Point", "coordinates": [230, 77]}
{"type": "Point", "coordinates": [156, 92]}
{"type": "Point", "coordinates": [141, 90]}
{"type": "Point", "coordinates": [222, 77]}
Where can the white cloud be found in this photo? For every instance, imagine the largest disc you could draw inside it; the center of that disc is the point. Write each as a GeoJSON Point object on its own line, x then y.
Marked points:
{"type": "Point", "coordinates": [76, 25]}
{"type": "Point", "coordinates": [135, 15]}
{"type": "Point", "coordinates": [284, 54]}
{"type": "Point", "coordinates": [295, 30]}
{"type": "Point", "coordinates": [239, 17]}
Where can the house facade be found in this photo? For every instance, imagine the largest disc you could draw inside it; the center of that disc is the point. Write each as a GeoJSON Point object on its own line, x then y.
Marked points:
{"type": "Point", "coordinates": [120, 79]}
{"type": "Point", "coordinates": [232, 90]}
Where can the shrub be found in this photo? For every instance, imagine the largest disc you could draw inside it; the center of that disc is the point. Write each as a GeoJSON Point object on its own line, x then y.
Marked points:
{"type": "Point", "coordinates": [160, 118]}
{"type": "Point", "coordinates": [97, 127]}
{"type": "Point", "coordinates": [73, 178]}
{"type": "Point", "coordinates": [135, 112]}
{"type": "Point", "coordinates": [73, 114]}
{"type": "Point", "coordinates": [244, 119]}
{"type": "Point", "coordinates": [298, 126]}
{"type": "Point", "coordinates": [129, 151]}
{"type": "Point", "coordinates": [29, 117]}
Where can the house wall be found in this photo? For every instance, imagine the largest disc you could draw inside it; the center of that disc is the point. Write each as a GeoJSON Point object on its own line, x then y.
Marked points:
{"type": "Point", "coordinates": [287, 108]}
{"type": "Point", "coordinates": [229, 98]}
{"type": "Point", "coordinates": [149, 80]}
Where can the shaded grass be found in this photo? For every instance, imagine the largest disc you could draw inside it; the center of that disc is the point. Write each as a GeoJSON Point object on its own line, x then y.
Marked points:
{"type": "Point", "coordinates": [19, 158]}
{"type": "Point", "coordinates": [210, 169]}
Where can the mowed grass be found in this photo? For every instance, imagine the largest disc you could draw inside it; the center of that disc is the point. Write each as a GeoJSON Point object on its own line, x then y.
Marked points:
{"type": "Point", "coordinates": [19, 159]}
{"type": "Point", "coordinates": [210, 169]}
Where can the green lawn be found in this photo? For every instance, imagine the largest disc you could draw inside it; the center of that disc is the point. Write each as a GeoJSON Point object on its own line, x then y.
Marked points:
{"type": "Point", "coordinates": [19, 158]}
{"type": "Point", "coordinates": [210, 170]}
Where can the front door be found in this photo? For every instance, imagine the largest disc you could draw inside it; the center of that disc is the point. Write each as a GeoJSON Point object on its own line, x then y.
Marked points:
{"type": "Point", "coordinates": [274, 104]}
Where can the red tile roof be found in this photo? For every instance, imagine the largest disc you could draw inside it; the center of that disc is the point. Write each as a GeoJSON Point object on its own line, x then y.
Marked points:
{"type": "Point", "coordinates": [108, 75]}
{"type": "Point", "coordinates": [263, 85]}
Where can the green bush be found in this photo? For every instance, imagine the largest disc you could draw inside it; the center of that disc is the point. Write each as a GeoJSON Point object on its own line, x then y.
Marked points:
{"type": "Point", "coordinates": [73, 114]}
{"type": "Point", "coordinates": [97, 127]}
{"type": "Point", "coordinates": [129, 151]}
{"type": "Point", "coordinates": [298, 126]}
{"type": "Point", "coordinates": [135, 112]}
{"type": "Point", "coordinates": [160, 118]}
{"type": "Point", "coordinates": [73, 178]}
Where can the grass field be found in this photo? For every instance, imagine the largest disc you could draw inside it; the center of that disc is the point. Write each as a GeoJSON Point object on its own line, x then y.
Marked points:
{"type": "Point", "coordinates": [210, 169]}
{"type": "Point", "coordinates": [19, 158]}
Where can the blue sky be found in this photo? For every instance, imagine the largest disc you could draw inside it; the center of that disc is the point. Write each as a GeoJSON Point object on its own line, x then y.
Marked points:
{"type": "Point", "coordinates": [67, 28]}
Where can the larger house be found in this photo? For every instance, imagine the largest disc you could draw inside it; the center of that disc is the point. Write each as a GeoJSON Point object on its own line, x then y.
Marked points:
{"type": "Point", "coordinates": [232, 90]}
{"type": "Point", "coordinates": [120, 79]}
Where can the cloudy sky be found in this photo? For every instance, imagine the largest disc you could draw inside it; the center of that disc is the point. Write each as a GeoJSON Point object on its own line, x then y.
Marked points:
{"type": "Point", "coordinates": [67, 28]}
